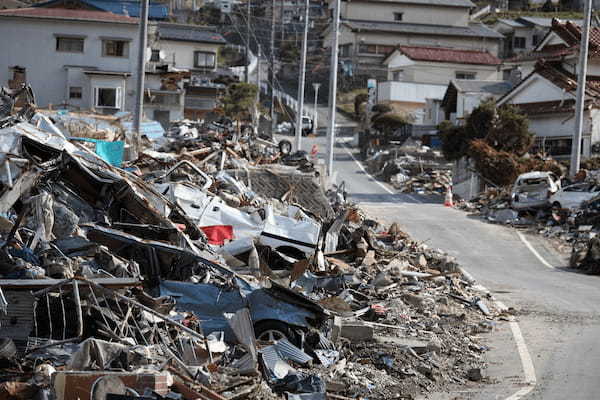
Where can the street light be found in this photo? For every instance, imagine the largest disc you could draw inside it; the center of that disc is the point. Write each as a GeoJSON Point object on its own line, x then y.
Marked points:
{"type": "Point", "coordinates": [316, 87]}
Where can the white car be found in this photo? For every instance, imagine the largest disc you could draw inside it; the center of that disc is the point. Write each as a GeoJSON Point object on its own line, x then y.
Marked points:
{"type": "Point", "coordinates": [533, 190]}
{"type": "Point", "coordinates": [573, 196]}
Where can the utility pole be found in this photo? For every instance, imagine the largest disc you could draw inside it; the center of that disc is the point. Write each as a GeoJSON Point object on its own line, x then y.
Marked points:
{"type": "Point", "coordinates": [281, 22]}
{"type": "Point", "coordinates": [272, 70]}
{"type": "Point", "coordinates": [300, 109]}
{"type": "Point", "coordinates": [258, 77]}
{"type": "Point", "coordinates": [141, 71]}
{"type": "Point", "coordinates": [316, 87]}
{"type": "Point", "coordinates": [246, 77]}
{"type": "Point", "coordinates": [581, 83]}
{"type": "Point", "coordinates": [333, 88]}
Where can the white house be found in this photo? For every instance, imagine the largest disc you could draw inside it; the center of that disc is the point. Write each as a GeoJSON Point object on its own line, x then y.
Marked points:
{"type": "Point", "coordinates": [418, 74]}
{"type": "Point", "coordinates": [547, 94]}
{"type": "Point", "coordinates": [78, 58]}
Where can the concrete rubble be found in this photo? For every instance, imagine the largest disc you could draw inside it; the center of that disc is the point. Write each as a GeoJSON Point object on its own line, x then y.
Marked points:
{"type": "Point", "coordinates": [178, 277]}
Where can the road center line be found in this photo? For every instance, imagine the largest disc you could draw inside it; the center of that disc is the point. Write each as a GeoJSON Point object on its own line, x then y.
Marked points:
{"type": "Point", "coordinates": [376, 181]}
{"type": "Point", "coordinates": [534, 251]}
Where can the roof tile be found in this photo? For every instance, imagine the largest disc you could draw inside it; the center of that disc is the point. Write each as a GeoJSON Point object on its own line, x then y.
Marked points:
{"type": "Point", "coordinates": [442, 54]}
{"type": "Point", "coordinates": [69, 14]}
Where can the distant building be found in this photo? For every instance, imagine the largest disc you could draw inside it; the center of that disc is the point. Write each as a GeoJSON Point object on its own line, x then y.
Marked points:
{"type": "Point", "coordinates": [418, 75]}
{"type": "Point", "coordinates": [371, 30]}
{"type": "Point", "coordinates": [194, 49]}
{"type": "Point", "coordinates": [546, 94]}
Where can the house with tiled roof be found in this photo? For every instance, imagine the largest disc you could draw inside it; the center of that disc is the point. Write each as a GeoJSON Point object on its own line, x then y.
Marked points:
{"type": "Point", "coordinates": [371, 29]}
{"type": "Point", "coordinates": [560, 43]}
{"type": "Point", "coordinates": [547, 97]}
{"type": "Point", "coordinates": [418, 75]}
{"type": "Point", "coordinates": [194, 49]}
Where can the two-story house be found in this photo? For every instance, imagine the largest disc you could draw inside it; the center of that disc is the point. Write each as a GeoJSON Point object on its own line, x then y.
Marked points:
{"type": "Point", "coordinates": [77, 58]}
{"type": "Point", "coordinates": [194, 49]}
{"type": "Point", "coordinates": [371, 29]}
{"type": "Point", "coordinates": [418, 75]}
{"type": "Point", "coordinates": [547, 93]}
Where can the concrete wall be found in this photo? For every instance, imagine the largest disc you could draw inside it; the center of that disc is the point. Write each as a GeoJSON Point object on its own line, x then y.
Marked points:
{"type": "Point", "coordinates": [31, 43]}
{"type": "Point", "coordinates": [412, 13]}
{"type": "Point", "coordinates": [409, 92]}
{"type": "Point", "coordinates": [442, 73]}
{"type": "Point", "coordinates": [182, 53]}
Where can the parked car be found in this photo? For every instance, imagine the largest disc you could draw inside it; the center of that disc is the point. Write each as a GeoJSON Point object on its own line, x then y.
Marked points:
{"type": "Point", "coordinates": [534, 189]}
{"type": "Point", "coordinates": [573, 196]}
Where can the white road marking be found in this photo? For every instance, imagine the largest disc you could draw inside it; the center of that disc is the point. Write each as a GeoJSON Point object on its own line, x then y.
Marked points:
{"type": "Point", "coordinates": [376, 181]}
{"type": "Point", "coordinates": [534, 251]}
{"type": "Point", "coordinates": [526, 362]}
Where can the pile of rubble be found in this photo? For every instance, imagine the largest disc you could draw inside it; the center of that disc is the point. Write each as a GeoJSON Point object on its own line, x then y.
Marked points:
{"type": "Point", "coordinates": [166, 280]}
{"type": "Point", "coordinates": [412, 168]}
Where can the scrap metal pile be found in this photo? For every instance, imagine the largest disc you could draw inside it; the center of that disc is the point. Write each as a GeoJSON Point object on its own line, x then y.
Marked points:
{"type": "Point", "coordinates": [412, 168]}
{"type": "Point", "coordinates": [218, 144]}
{"type": "Point", "coordinates": [162, 280]}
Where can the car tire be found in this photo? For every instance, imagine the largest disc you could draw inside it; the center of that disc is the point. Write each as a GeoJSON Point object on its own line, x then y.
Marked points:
{"type": "Point", "coordinates": [271, 330]}
{"type": "Point", "coordinates": [285, 147]}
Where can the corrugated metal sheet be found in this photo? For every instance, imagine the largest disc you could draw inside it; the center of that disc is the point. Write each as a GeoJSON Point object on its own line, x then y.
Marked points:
{"type": "Point", "coordinates": [18, 322]}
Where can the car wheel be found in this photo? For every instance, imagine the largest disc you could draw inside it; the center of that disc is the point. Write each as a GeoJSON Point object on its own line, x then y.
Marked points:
{"type": "Point", "coordinates": [285, 147]}
{"type": "Point", "coordinates": [272, 331]}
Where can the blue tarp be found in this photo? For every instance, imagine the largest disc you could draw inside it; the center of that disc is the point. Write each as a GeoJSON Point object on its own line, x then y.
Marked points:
{"type": "Point", "coordinates": [157, 11]}
{"type": "Point", "coordinates": [111, 152]}
{"type": "Point", "coordinates": [132, 8]}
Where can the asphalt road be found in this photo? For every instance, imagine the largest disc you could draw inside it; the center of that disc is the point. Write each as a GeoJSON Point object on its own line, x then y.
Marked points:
{"type": "Point", "coordinates": [558, 309]}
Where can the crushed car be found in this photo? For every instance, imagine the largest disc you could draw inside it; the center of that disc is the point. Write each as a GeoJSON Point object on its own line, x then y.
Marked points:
{"type": "Point", "coordinates": [533, 190]}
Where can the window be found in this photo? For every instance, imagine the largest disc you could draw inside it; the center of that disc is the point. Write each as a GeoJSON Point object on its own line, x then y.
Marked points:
{"type": "Point", "coordinates": [75, 92]}
{"type": "Point", "coordinates": [69, 44]}
{"type": "Point", "coordinates": [345, 50]}
{"type": "Point", "coordinates": [115, 48]}
{"type": "Point", "coordinates": [465, 75]}
{"type": "Point", "coordinates": [108, 97]}
{"type": "Point", "coordinates": [536, 40]}
{"type": "Point", "coordinates": [155, 56]}
{"type": "Point", "coordinates": [367, 49]}
{"type": "Point", "coordinates": [203, 59]}
{"type": "Point", "coordinates": [520, 42]}
{"type": "Point", "coordinates": [398, 17]}
{"type": "Point", "coordinates": [397, 75]}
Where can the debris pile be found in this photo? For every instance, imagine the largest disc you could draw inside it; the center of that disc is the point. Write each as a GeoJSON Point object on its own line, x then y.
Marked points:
{"type": "Point", "coordinates": [167, 279]}
{"type": "Point", "coordinates": [412, 168]}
